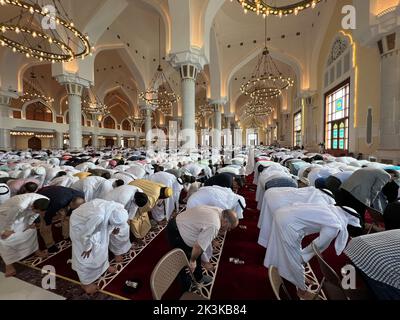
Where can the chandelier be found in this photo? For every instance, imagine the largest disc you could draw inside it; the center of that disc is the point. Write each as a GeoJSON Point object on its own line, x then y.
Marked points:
{"type": "Point", "coordinates": [41, 29]}
{"type": "Point", "coordinates": [92, 105]}
{"type": "Point", "coordinates": [257, 110]}
{"type": "Point", "coordinates": [266, 81]}
{"type": "Point", "coordinates": [33, 90]}
{"type": "Point", "coordinates": [261, 7]}
{"type": "Point", "coordinates": [160, 93]}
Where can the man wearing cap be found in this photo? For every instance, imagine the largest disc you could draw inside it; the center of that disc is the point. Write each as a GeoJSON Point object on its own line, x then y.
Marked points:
{"type": "Point", "coordinates": [4, 193]}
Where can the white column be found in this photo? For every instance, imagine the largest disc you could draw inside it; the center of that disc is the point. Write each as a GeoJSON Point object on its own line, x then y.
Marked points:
{"type": "Point", "coordinates": [59, 140]}
{"type": "Point", "coordinates": [188, 76]}
{"type": "Point", "coordinates": [390, 99]}
{"type": "Point", "coordinates": [148, 126]}
{"type": "Point", "coordinates": [137, 141]}
{"type": "Point", "coordinates": [74, 91]}
{"type": "Point", "coordinates": [217, 127]}
{"type": "Point", "coordinates": [119, 140]}
{"type": "Point", "coordinates": [230, 120]}
{"type": "Point", "coordinates": [5, 138]}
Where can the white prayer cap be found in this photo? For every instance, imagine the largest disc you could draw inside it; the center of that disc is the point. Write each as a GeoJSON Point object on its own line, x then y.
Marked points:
{"type": "Point", "coordinates": [4, 174]}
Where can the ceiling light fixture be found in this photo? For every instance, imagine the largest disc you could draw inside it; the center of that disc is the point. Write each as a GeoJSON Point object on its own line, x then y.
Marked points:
{"type": "Point", "coordinates": [58, 41]}
{"type": "Point", "coordinates": [261, 7]}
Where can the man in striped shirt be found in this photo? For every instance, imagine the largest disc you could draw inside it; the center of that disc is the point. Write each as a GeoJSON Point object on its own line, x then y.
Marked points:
{"type": "Point", "coordinates": [377, 256]}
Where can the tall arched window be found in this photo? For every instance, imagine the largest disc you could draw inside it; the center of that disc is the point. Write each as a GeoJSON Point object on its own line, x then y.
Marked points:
{"type": "Point", "coordinates": [126, 125]}
{"type": "Point", "coordinates": [39, 112]}
{"type": "Point", "coordinates": [109, 123]}
{"type": "Point", "coordinates": [337, 84]}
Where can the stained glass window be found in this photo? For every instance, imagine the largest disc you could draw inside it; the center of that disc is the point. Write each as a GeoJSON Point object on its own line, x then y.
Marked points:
{"type": "Point", "coordinates": [337, 110]}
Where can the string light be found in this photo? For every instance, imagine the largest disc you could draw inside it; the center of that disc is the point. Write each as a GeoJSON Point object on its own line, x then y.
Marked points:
{"type": "Point", "coordinates": [260, 7]}
{"type": "Point", "coordinates": [65, 52]}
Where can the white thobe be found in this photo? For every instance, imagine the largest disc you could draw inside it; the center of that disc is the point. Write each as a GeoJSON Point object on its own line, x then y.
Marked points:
{"type": "Point", "coordinates": [93, 187]}
{"type": "Point", "coordinates": [5, 193]}
{"type": "Point", "coordinates": [271, 172]}
{"type": "Point", "coordinates": [170, 181]}
{"type": "Point", "coordinates": [291, 224]}
{"type": "Point", "coordinates": [125, 195]}
{"type": "Point", "coordinates": [277, 198]}
{"type": "Point", "coordinates": [91, 227]}
{"type": "Point", "coordinates": [124, 176]}
{"type": "Point", "coordinates": [216, 196]}
{"type": "Point", "coordinates": [64, 181]}
{"type": "Point", "coordinates": [16, 215]}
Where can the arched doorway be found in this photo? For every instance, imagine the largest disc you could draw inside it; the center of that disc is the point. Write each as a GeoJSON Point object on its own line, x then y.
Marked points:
{"type": "Point", "coordinates": [109, 142]}
{"type": "Point", "coordinates": [35, 144]}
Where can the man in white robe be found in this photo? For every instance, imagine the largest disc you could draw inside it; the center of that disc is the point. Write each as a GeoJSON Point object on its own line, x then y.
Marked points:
{"type": "Point", "coordinates": [18, 235]}
{"type": "Point", "coordinates": [4, 193]}
{"type": "Point", "coordinates": [277, 198]}
{"type": "Point", "coordinates": [171, 203]}
{"type": "Point", "coordinates": [216, 196]}
{"type": "Point", "coordinates": [93, 187]}
{"type": "Point", "coordinates": [95, 227]}
{"type": "Point", "coordinates": [64, 181]}
{"type": "Point", "coordinates": [291, 224]}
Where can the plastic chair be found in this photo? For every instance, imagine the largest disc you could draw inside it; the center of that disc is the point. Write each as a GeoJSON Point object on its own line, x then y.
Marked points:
{"type": "Point", "coordinates": [332, 283]}
{"type": "Point", "coordinates": [277, 283]}
{"type": "Point", "coordinates": [166, 271]}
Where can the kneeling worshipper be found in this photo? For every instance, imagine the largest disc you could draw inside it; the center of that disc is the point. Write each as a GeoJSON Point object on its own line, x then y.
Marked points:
{"type": "Point", "coordinates": [193, 231]}
{"type": "Point", "coordinates": [171, 204]}
{"type": "Point", "coordinates": [93, 187]}
{"type": "Point", "coordinates": [289, 227]}
{"type": "Point", "coordinates": [377, 257]}
{"type": "Point", "coordinates": [4, 193]}
{"type": "Point", "coordinates": [277, 198]}
{"type": "Point", "coordinates": [18, 235]}
{"type": "Point", "coordinates": [95, 227]}
{"type": "Point", "coordinates": [361, 191]}
{"type": "Point", "coordinates": [62, 202]}
{"type": "Point", "coordinates": [22, 186]}
{"type": "Point", "coordinates": [225, 180]}
{"type": "Point", "coordinates": [156, 193]}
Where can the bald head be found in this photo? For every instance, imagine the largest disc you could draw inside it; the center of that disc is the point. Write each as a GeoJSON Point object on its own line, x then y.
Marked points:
{"type": "Point", "coordinates": [76, 203]}
{"type": "Point", "coordinates": [229, 220]}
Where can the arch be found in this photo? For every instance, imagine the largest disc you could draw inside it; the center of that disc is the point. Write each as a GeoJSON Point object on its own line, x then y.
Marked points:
{"type": "Point", "coordinates": [36, 110]}
{"type": "Point", "coordinates": [211, 11]}
{"type": "Point", "coordinates": [109, 122]}
{"type": "Point", "coordinates": [126, 125]}
{"type": "Point", "coordinates": [289, 60]}
{"type": "Point", "coordinates": [130, 61]}
{"type": "Point", "coordinates": [35, 144]}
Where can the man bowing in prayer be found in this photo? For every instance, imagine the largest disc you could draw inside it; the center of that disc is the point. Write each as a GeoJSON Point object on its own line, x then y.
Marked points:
{"type": "Point", "coordinates": [18, 235]}
{"type": "Point", "coordinates": [95, 227]}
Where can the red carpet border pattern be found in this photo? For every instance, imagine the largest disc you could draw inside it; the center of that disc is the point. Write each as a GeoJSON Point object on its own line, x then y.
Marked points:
{"type": "Point", "coordinates": [107, 277]}
{"type": "Point", "coordinates": [34, 261]}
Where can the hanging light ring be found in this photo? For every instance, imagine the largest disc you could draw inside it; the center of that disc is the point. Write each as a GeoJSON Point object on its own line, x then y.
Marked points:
{"type": "Point", "coordinates": [67, 55]}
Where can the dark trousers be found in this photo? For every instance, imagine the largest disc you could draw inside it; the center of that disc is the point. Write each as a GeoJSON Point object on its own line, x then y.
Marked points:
{"type": "Point", "coordinates": [176, 241]}
{"type": "Point", "coordinates": [346, 199]}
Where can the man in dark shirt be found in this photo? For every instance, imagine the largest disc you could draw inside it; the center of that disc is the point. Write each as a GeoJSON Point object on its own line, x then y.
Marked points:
{"type": "Point", "coordinates": [62, 202]}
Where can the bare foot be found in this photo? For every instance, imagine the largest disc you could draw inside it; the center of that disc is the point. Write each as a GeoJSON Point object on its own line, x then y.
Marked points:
{"type": "Point", "coordinates": [208, 266]}
{"type": "Point", "coordinates": [42, 254]}
{"type": "Point", "coordinates": [112, 269]}
{"type": "Point", "coordinates": [119, 259]}
{"type": "Point", "coordinates": [90, 289]}
{"type": "Point", "coordinates": [306, 295]}
{"type": "Point", "coordinates": [10, 271]}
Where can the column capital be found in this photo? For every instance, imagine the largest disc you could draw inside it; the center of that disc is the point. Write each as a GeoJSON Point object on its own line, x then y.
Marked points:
{"type": "Point", "coordinates": [229, 115]}
{"type": "Point", "coordinates": [193, 56]}
{"type": "Point", "coordinates": [221, 101]}
{"type": "Point", "coordinates": [146, 107]}
{"type": "Point", "coordinates": [73, 83]}
{"type": "Point", "coordinates": [5, 100]}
